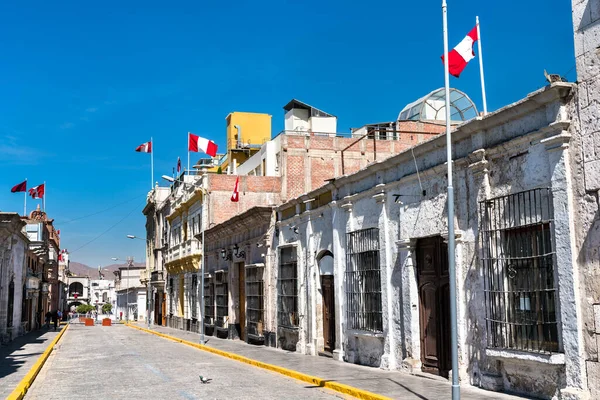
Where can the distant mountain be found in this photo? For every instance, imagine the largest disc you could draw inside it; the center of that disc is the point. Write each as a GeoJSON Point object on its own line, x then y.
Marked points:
{"type": "Point", "coordinates": [80, 269]}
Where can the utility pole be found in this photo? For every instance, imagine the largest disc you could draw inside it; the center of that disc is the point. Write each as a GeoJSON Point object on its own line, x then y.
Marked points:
{"type": "Point", "coordinates": [129, 264]}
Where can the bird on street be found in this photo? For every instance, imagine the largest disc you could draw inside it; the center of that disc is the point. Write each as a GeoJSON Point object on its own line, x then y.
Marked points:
{"type": "Point", "coordinates": [204, 380]}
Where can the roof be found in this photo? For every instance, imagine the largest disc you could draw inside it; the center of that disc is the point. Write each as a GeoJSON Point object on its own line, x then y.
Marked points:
{"type": "Point", "coordinates": [315, 112]}
{"type": "Point", "coordinates": [432, 107]}
{"type": "Point", "coordinates": [246, 216]}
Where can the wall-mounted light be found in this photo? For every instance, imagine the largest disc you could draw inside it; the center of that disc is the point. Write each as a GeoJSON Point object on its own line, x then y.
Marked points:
{"type": "Point", "coordinates": [238, 253]}
{"type": "Point", "coordinates": [226, 255]}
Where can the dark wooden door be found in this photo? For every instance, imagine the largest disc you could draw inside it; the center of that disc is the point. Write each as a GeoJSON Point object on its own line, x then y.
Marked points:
{"type": "Point", "coordinates": [434, 305]}
{"type": "Point", "coordinates": [328, 312]}
{"type": "Point", "coordinates": [242, 297]}
{"type": "Point", "coordinates": [164, 309]}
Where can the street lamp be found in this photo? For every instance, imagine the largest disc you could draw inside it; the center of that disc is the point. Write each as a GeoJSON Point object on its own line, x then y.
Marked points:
{"type": "Point", "coordinates": [148, 297]}
{"type": "Point", "coordinates": [129, 262]}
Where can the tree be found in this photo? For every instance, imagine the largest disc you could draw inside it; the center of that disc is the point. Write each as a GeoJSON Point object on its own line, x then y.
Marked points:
{"type": "Point", "coordinates": [106, 308]}
{"type": "Point", "coordinates": [85, 308]}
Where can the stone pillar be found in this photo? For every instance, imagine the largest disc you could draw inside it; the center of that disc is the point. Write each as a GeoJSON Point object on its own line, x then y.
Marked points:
{"type": "Point", "coordinates": [409, 305]}
{"type": "Point", "coordinates": [339, 218]}
{"type": "Point", "coordinates": [567, 273]}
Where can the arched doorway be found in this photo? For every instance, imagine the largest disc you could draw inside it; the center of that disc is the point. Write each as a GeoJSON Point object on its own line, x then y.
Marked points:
{"type": "Point", "coordinates": [76, 288]}
{"type": "Point", "coordinates": [325, 262]}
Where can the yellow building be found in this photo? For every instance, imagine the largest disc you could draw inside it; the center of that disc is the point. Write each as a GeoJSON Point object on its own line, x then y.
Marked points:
{"type": "Point", "coordinates": [246, 133]}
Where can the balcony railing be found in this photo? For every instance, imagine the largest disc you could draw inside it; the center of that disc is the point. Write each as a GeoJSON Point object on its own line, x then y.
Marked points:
{"type": "Point", "coordinates": [157, 276]}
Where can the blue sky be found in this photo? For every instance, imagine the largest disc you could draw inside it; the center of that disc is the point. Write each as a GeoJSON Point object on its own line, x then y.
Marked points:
{"type": "Point", "coordinates": [83, 83]}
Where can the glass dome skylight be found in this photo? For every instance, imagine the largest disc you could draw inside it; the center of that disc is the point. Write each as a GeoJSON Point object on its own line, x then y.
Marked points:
{"type": "Point", "coordinates": [433, 107]}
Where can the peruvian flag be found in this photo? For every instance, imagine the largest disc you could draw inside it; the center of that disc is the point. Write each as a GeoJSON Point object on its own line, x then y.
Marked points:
{"type": "Point", "coordinates": [144, 147]}
{"type": "Point", "coordinates": [37, 192]}
{"type": "Point", "coordinates": [235, 196]}
{"type": "Point", "coordinates": [197, 144]}
{"type": "Point", "coordinates": [178, 165]}
{"type": "Point", "coordinates": [462, 53]}
{"type": "Point", "coordinates": [21, 187]}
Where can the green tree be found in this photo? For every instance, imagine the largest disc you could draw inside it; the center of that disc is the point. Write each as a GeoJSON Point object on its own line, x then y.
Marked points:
{"type": "Point", "coordinates": [106, 308]}
{"type": "Point", "coordinates": [85, 308]}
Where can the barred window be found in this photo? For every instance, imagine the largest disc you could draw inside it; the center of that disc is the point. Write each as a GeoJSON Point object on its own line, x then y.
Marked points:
{"type": "Point", "coordinates": [222, 298]}
{"type": "Point", "coordinates": [255, 299]}
{"type": "Point", "coordinates": [194, 297]}
{"type": "Point", "coordinates": [209, 308]}
{"type": "Point", "coordinates": [287, 288]}
{"type": "Point", "coordinates": [518, 264]}
{"type": "Point", "coordinates": [363, 281]}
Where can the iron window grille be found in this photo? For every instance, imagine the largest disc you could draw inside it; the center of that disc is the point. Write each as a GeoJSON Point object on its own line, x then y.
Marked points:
{"type": "Point", "coordinates": [518, 261]}
{"type": "Point", "coordinates": [209, 308]}
{"type": "Point", "coordinates": [287, 288]}
{"type": "Point", "coordinates": [194, 298]}
{"type": "Point", "coordinates": [255, 299]}
{"type": "Point", "coordinates": [363, 281]}
{"type": "Point", "coordinates": [222, 299]}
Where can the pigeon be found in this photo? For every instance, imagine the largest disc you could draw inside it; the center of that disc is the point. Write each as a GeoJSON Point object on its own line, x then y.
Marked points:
{"type": "Point", "coordinates": [205, 380]}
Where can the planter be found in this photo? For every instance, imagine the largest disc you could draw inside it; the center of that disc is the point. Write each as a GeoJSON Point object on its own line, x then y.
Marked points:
{"type": "Point", "coordinates": [106, 322]}
{"type": "Point", "coordinates": [89, 322]}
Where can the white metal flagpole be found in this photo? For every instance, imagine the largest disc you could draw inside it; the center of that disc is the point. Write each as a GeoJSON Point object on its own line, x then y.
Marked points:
{"type": "Point", "coordinates": [481, 67]}
{"type": "Point", "coordinates": [451, 259]}
{"type": "Point", "coordinates": [44, 198]}
{"type": "Point", "coordinates": [25, 204]}
{"type": "Point", "coordinates": [151, 162]}
{"type": "Point", "coordinates": [188, 146]}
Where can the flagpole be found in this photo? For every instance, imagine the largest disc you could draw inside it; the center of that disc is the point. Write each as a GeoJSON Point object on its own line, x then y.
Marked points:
{"type": "Point", "coordinates": [451, 259]}
{"type": "Point", "coordinates": [151, 163]}
{"type": "Point", "coordinates": [44, 198]}
{"type": "Point", "coordinates": [481, 67]}
{"type": "Point", "coordinates": [25, 203]}
{"type": "Point", "coordinates": [188, 146]}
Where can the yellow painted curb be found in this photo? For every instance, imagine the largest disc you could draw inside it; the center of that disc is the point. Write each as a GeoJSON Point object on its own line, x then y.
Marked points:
{"type": "Point", "coordinates": [338, 387]}
{"type": "Point", "coordinates": [27, 381]}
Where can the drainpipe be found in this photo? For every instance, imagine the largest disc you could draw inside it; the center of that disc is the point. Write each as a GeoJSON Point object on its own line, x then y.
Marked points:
{"type": "Point", "coordinates": [239, 136]}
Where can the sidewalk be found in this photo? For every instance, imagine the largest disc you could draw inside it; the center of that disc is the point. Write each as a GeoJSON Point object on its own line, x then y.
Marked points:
{"type": "Point", "coordinates": [393, 384]}
{"type": "Point", "coordinates": [18, 356]}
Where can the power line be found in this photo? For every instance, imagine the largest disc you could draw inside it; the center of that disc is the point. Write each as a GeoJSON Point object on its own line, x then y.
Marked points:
{"type": "Point", "coordinates": [100, 212]}
{"type": "Point", "coordinates": [100, 235]}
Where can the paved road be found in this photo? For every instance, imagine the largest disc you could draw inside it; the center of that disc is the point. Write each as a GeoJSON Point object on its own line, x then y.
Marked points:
{"type": "Point", "coordinates": [122, 363]}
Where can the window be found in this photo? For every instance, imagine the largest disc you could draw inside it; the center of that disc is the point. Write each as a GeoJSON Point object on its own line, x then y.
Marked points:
{"type": "Point", "coordinates": [209, 309]}
{"type": "Point", "coordinates": [221, 297]}
{"type": "Point", "coordinates": [194, 297]}
{"type": "Point", "coordinates": [287, 288]}
{"type": "Point", "coordinates": [254, 299]}
{"type": "Point", "coordinates": [518, 265]}
{"type": "Point", "coordinates": [363, 281]}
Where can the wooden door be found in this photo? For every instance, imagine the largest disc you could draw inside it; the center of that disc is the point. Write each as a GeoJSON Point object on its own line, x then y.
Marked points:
{"type": "Point", "coordinates": [434, 305]}
{"type": "Point", "coordinates": [164, 309]}
{"type": "Point", "coordinates": [242, 299]}
{"type": "Point", "coordinates": [327, 290]}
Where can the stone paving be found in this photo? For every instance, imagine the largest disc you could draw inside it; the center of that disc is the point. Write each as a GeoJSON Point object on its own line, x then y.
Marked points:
{"type": "Point", "coordinates": [118, 362]}
{"type": "Point", "coordinates": [396, 385]}
{"type": "Point", "coordinates": [18, 356]}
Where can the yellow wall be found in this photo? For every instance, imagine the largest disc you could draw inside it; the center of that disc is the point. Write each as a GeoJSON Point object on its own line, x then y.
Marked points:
{"type": "Point", "coordinates": [256, 128]}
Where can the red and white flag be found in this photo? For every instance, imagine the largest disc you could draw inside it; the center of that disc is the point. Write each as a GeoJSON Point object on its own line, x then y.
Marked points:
{"type": "Point", "coordinates": [21, 187]}
{"type": "Point", "coordinates": [178, 165]}
{"type": "Point", "coordinates": [462, 53]}
{"type": "Point", "coordinates": [197, 144]}
{"type": "Point", "coordinates": [235, 196]}
{"type": "Point", "coordinates": [144, 147]}
{"type": "Point", "coordinates": [37, 192]}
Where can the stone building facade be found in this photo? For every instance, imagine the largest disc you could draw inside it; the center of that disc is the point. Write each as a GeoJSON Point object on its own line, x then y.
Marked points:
{"type": "Point", "coordinates": [518, 257]}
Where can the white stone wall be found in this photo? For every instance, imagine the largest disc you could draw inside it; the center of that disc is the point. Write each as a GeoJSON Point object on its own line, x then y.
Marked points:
{"type": "Point", "coordinates": [585, 164]}
{"type": "Point", "coordinates": [523, 148]}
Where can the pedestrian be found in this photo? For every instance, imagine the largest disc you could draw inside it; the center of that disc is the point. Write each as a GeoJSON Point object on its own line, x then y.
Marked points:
{"type": "Point", "coordinates": [55, 319]}
{"type": "Point", "coordinates": [60, 315]}
{"type": "Point", "coordinates": [48, 317]}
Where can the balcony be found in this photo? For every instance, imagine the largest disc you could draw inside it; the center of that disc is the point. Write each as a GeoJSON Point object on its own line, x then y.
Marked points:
{"type": "Point", "coordinates": [144, 277]}
{"type": "Point", "coordinates": [157, 277]}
